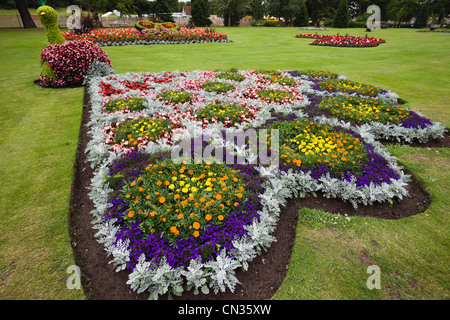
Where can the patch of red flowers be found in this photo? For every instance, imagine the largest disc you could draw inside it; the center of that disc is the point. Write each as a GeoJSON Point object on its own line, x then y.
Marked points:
{"type": "Point", "coordinates": [142, 84]}
{"type": "Point", "coordinates": [126, 35]}
{"type": "Point", "coordinates": [342, 41]}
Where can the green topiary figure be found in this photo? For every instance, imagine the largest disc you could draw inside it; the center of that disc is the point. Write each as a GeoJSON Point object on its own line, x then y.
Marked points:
{"type": "Point", "coordinates": [66, 63]}
{"type": "Point", "coordinates": [48, 17]}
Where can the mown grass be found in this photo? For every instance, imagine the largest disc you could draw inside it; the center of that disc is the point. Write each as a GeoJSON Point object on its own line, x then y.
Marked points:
{"type": "Point", "coordinates": [39, 137]}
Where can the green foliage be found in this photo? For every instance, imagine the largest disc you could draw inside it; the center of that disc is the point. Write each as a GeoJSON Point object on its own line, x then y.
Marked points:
{"type": "Point", "coordinates": [342, 15]}
{"type": "Point", "coordinates": [200, 13]}
{"type": "Point", "coordinates": [302, 17]}
{"type": "Point", "coordinates": [163, 11]}
{"type": "Point", "coordinates": [48, 17]}
{"type": "Point", "coordinates": [422, 16]}
{"type": "Point", "coordinates": [47, 71]}
{"type": "Point", "coordinates": [230, 10]}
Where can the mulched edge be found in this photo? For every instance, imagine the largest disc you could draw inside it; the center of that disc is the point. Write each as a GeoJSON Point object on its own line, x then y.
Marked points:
{"type": "Point", "coordinates": [266, 272]}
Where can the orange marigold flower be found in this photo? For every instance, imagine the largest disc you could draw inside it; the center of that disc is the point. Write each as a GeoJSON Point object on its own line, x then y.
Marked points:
{"type": "Point", "coordinates": [218, 197]}
{"type": "Point", "coordinates": [220, 217]}
{"type": "Point", "coordinates": [196, 234]}
{"type": "Point", "coordinates": [130, 214]}
{"type": "Point", "coordinates": [174, 230]}
{"type": "Point", "coordinates": [162, 200]}
{"type": "Point", "coordinates": [208, 217]}
{"type": "Point", "coordinates": [196, 225]}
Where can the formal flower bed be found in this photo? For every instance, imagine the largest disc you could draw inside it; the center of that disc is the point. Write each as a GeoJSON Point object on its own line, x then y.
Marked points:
{"type": "Point", "coordinates": [148, 27]}
{"type": "Point", "coordinates": [342, 41]}
{"type": "Point", "coordinates": [131, 36]}
{"type": "Point", "coordinates": [177, 224]}
{"type": "Point", "coordinates": [336, 100]}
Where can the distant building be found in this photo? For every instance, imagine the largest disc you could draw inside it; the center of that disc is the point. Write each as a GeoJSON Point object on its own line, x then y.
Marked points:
{"type": "Point", "coordinates": [186, 11]}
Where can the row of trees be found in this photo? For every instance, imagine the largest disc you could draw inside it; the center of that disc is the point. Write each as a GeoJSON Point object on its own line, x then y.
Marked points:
{"type": "Point", "coordinates": [292, 12]}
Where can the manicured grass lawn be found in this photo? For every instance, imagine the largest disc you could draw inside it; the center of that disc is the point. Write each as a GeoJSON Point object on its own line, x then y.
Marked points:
{"type": "Point", "coordinates": [39, 137]}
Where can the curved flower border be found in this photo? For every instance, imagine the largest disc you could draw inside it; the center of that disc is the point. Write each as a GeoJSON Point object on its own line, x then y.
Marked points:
{"type": "Point", "coordinates": [218, 274]}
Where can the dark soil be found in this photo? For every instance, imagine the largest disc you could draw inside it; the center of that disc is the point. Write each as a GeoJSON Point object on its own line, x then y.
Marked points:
{"type": "Point", "coordinates": [265, 274]}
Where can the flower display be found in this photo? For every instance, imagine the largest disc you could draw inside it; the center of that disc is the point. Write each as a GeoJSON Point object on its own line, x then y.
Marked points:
{"type": "Point", "coordinates": [69, 62]}
{"type": "Point", "coordinates": [134, 132]}
{"type": "Point", "coordinates": [364, 110]}
{"type": "Point", "coordinates": [175, 96]}
{"type": "Point", "coordinates": [229, 114]}
{"type": "Point", "coordinates": [342, 41]}
{"type": "Point", "coordinates": [124, 105]}
{"type": "Point", "coordinates": [349, 86]}
{"type": "Point", "coordinates": [218, 87]}
{"type": "Point", "coordinates": [181, 225]}
{"type": "Point", "coordinates": [148, 27]}
{"type": "Point", "coordinates": [129, 36]}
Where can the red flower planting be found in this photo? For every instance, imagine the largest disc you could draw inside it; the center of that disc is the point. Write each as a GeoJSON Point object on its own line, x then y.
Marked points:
{"type": "Point", "coordinates": [130, 35]}
{"type": "Point", "coordinates": [342, 41]}
{"type": "Point", "coordinates": [70, 62]}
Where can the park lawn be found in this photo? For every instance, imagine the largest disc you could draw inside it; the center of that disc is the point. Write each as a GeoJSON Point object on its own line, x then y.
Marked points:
{"type": "Point", "coordinates": [39, 135]}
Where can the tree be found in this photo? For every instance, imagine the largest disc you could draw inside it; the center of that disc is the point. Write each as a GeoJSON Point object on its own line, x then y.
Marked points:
{"type": "Point", "coordinates": [401, 10]}
{"type": "Point", "coordinates": [321, 9]}
{"type": "Point", "coordinates": [422, 15]}
{"type": "Point", "coordinates": [200, 13]}
{"type": "Point", "coordinates": [25, 14]}
{"type": "Point", "coordinates": [285, 9]}
{"type": "Point", "coordinates": [342, 15]}
{"type": "Point", "coordinates": [163, 11]}
{"type": "Point", "coordinates": [302, 17]}
{"type": "Point", "coordinates": [256, 9]}
{"type": "Point", "coordinates": [230, 10]}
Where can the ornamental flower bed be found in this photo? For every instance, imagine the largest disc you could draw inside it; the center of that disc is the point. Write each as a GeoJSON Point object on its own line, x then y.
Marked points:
{"type": "Point", "coordinates": [69, 62]}
{"type": "Point", "coordinates": [131, 36]}
{"type": "Point", "coordinates": [148, 27]}
{"type": "Point", "coordinates": [342, 41]}
{"type": "Point", "coordinates": [338, 101]}
{"type": "Point", "coordinates": [188, 225]}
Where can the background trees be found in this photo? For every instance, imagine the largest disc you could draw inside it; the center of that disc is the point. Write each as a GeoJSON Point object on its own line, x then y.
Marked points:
{"type": "Point", "coordinates": [200, 13]}
{"type": "Point", "coordinates": [290, 11]}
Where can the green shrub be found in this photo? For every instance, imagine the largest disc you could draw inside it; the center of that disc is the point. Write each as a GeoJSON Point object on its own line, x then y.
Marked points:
{"type": "Point", "coordinates": [342, 15]}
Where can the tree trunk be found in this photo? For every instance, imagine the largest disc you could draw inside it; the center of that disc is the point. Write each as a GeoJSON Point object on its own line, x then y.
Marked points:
{"type": "Point", "coordinates": [25, 14]}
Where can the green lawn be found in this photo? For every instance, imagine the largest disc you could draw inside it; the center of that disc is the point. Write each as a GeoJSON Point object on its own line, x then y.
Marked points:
{"type": "Point", "coordinates": [39, 137]}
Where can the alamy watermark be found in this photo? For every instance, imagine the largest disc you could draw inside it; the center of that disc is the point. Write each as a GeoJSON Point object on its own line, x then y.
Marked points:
{"type": "Point", "coordinates": [239, 147]}
{"type": "Point", "coordinates": [374, 21]}
{"type": "Point", "coordinates": [74, 280]}
{"type": "Point", "coordinates": [374, 281]}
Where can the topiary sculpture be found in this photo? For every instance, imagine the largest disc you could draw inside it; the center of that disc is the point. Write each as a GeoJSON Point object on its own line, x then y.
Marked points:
{"type": "Point", "coordinates": [65, 63]}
